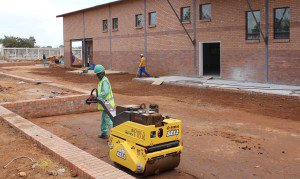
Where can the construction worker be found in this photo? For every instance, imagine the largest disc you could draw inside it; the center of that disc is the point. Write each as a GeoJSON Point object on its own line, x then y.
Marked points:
{"type": "Point", "coordinates": [105, 93]}
{"type": "Point", "coordinates": [73, 59]}
{"type": "Point", "coordinates": [142, 67]}
{"type": "Point", "coordinates": [44, 59]}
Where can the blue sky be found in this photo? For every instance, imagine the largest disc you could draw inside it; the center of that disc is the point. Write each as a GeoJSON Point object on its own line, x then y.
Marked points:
{"type": "Point", "coordinates": [24, 18]}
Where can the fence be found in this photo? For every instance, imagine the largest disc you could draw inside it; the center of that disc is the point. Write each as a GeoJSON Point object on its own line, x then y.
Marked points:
{"type": "Point", "coordinates": [11, 54]}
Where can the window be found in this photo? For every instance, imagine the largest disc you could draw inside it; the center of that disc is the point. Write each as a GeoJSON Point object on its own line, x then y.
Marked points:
{"type": "Point", "coordinates": [152, 19]}
{"type": "Point", "coordinates": [104, 25]}
{"type": "Point", "coordinates": [252, 28]}
{"type": "Point", "coordinates": [282, 23]}
{"type": "Point", "coordinates": [139, 20]}
{"type": "Point", "coordinates": [205, 11]}
{"type": "Point", "coordinates": [115, 23]}
{"type": "Point", "coordinates": [185, 14]}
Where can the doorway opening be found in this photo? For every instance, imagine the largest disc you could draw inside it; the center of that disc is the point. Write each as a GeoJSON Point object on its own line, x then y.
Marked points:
{"type": "Point", "coordinates": [82, 53]}
{"type": "Point", "coordinates": [76, 55]}
{"type": "Point", "coordinates": [88, 52]}
{"type": "Point", "coordinates": [210, 59]}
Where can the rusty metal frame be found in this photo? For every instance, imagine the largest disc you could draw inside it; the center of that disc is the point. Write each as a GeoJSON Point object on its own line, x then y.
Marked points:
{"type": "Point", "coordinates": [258, 25]}
{"type": "Point", "coordinates": [192, 40]}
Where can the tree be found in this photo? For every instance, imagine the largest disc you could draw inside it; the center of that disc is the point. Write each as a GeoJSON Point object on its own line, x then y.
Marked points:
{"type": "Point", "coordinates": [11, 42]}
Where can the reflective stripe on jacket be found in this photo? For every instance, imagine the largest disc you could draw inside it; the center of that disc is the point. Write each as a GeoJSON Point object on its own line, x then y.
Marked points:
{"type": "Point", "coordinates": [109, 97]}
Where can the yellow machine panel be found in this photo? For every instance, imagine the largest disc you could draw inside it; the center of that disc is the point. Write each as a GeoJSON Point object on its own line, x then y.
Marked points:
{"type": "Point", "coordinates": [149, 135]}
{"type": "Point", "coordinates": [146, 149]}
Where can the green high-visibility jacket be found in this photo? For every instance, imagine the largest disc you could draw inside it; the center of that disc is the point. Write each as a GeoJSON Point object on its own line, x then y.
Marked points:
{"type": "Point", "coordinates": [105, 92]}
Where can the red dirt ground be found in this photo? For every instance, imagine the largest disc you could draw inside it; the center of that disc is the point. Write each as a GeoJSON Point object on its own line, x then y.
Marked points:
{"type": "Point", "coordinates": [13, 144]}
{"type": "Point", "coordinates": [12, 90]}
{"type": "Point", "coordinates": [269, 105]}
{"type": "Point", "coordinates": [226, 134]}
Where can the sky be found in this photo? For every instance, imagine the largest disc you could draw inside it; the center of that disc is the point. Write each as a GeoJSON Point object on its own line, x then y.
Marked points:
{"type": "Point", "coordinates": [25, 18]}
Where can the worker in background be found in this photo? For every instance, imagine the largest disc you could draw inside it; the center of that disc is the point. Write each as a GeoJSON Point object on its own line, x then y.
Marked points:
{"type": "Point", "coordinates": [142, 67]}
{"type": "Point", "coordinates": [73, 58]}
{"type": "Point", "coordinates": [105, 93]}
{"type": "Point", "coordinates": [44, 59]}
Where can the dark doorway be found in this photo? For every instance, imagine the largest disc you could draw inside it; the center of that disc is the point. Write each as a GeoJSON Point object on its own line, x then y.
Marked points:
{"type": "Point", "coordinates": [211, 59]}
{"type": "Point", "coordinates": [87, 52]}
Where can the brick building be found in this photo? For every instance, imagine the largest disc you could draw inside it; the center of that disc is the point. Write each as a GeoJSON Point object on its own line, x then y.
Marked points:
{"type": "Point", "coordinates": [232, 39]}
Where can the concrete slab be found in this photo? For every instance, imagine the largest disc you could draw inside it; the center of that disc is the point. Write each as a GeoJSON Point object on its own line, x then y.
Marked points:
{"type": "Point", "coordinates": [266, 88]}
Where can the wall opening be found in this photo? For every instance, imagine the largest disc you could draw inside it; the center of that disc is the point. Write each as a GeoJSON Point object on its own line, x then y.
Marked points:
{"type": "Point", "coordinates": [82, 52]}
{"type": "Point", "coordinates": [88, 52]}
{"type": "Point", "coordinates": [76, 55]}
{"type": "Point", "coordinates": [210, 59]}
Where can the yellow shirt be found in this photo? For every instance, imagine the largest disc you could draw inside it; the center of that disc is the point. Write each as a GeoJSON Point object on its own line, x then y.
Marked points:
{"type": "Point", "coordinates": [143, 62]}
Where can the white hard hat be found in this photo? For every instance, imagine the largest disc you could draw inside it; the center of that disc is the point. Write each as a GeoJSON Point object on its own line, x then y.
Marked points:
{"type": "Point", "coordinates": [142, 54]}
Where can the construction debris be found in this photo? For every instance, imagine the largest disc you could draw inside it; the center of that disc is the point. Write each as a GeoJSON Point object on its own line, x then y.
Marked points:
{"type": "Point", "coordinates": [61, 171]}
{"type": "Point", "coordinates": [52, 172]}
{"type": "Point", "coordinates": [74, 174]}
{"type": "Point", "coordinates": [21, 82]}
{"type": "Point", "coordinates": [22, 174]}
{"type": "Point", "coordinates": [158, 82]}
{"type": "Point", "coordinates": [40, 82]}
{"type": "Point", "coordinates": [32, 160]}
{"type": "Point", "coordinates": [58, 93]}
{"type": "Point", "coordinates": [56, 172]}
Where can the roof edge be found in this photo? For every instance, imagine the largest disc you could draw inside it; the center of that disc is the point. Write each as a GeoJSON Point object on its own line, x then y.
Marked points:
{"type": "Point", "coordinates": [89, 8]}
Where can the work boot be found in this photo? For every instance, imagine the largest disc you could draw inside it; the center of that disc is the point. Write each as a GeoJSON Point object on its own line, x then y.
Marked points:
{"type": "Point", "coordinates": [103, 136]}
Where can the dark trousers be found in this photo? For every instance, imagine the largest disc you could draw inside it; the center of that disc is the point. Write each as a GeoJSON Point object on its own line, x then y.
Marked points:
{"type": "Point", "coordinates": [143, 70]}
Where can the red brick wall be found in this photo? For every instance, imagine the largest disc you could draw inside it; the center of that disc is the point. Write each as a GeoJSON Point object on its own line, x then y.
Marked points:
{"type": "Point", "coordinates": [170, 49]}
{"type": "Point", "coordinates": [240, 59]}
{"type": "Point", "coordinates": [51, 107]}
{"type": "Point", "coordinates": [127, 42]}
{"type": "Point", "coordinates": [171, 52]}
{"type": "Point", "coordinates": [284, 62]}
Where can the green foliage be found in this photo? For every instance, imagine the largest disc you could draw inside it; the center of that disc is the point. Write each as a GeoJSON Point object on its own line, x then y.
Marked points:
{"type": "Point", "coordinates": [11, 42]}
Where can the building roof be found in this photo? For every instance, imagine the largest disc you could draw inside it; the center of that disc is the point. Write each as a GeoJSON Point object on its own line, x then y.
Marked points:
{"type": "Point", "coordinates": [89, 8]}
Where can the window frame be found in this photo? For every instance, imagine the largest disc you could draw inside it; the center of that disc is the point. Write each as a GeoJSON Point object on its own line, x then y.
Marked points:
{"type": "Point", "coordinates": [104, 20]}
{"type": "Point", "coordinates": [274, 23]}
{"type": "Point", "coordinates": [136, 18]}
{"type": "Point", "coordinates": [181, 15]}
{"type": "Point", "coordinates": [113, 25]}
{"type": "Point", "coordinates": [149, 19]}
{"type": "Point", "coordinates": [200, 12]}
{"type": "Point", "coordinates": [246, 32]}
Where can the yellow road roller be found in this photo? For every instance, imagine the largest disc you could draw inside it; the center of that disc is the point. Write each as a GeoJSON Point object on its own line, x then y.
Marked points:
{"type": "Point", "coordinates": [142, 140]}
